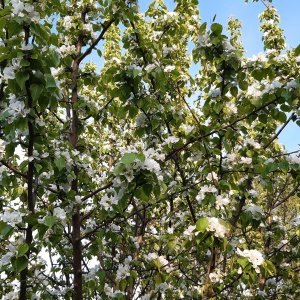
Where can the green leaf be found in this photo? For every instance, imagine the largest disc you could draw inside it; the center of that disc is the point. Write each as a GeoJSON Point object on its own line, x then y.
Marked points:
{"type": "Point", "coordinates": [42, 230]}
{"type": "Point", "coordinates": [172, 242]}
{"type": "Point", "coordinates": [147, 189]}
{"type": "Point", "coordinates": [234, 91]}
{"type": "Point", "coordinates": [10, 150]}
{"type": "Point", "coordinates": [56, 58]}
{"type": "Point", "coordinates": [263, 118]}
{"type": "Point", "coordinates": [243, 85]}
{"type": "Point", "coordinates": [282, 117]}
{"type": "Point", "coordinates": [268, 268]}
{"type": "Point", "coordinates": [14, 28]}
{"type": "Point", "coordinates": [50, 81]}
{"type": "Point", "coordinates": [21, 78]}
{"type": "Point", "coordinates": [2, 23]}
{"type": "Point", "coordinates": [202, 28]}
{"type": "Point", "coordinates": [60, 162]}
{"type": "Point", "coordinates": [21, 263]}
{"type": "Point", "coordinates": [297, 50]}
{"type": "Point", "coordinates": [140, 194]}
{"type": "Point", "coordinates": [40, 30]}
{"type": "Point", "coordinates": [243, 261]}
{"type": "Point", "coordinates": [129, 158]}
{"type": "Point", "coordinates": [50, 221]}
{"type": "Point", "coordinates": [24, 63]}
{"type": "Point", "coordinates": [202, 224]}
{"type": "Point", "coordinates": [120, 168]}
{"type": "Point", "coordinates": [258, 74]}
{"type": "Point", "coordinates": [22, 249]}
{"type": "Point", "coordinates": [135, 73]}
{"type": "Point", "coordinates": [155, 123]}
{"type": "Point", "coordinates": [36, 90]}
{"type": "Point", "coordinates": [271, 167]}
{"type": "Point", "coordinates": [216, 28]}
{"type": "Point", "coordinates": [4, 115]}
{"type": "Point", "coordinates": [286, 95]}
{"type": "Point", "coordinates": [6, 231]}
{"type": "Point", "coordinates": [101, 274]}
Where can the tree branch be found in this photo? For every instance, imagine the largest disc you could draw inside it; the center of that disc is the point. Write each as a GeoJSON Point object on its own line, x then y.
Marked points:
{"type": "Point", "coordinates": [13, 169]}
{"type": "Point", "coordinates": [195, 139]}
{"type": "Point", "coordinates": [94, 44]}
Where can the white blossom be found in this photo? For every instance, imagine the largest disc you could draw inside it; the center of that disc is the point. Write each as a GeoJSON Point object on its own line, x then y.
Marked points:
{"type": "Point", "coordinates": [214, 92]}
{"type": "Point", "coordinates": [215, 226]}
{"type": "Point", "coordinates": [134, 67]}
{"type": "Point", "coordinates": [11, 217]}
{"type": "Point", "coordinates": [171, 140]}
{"type": "Point", "coordinates": [246, 160]}
{"type": "Point", "coordinates": [255, 257]}
{"type": "Point", "coordinates": [293, 159]}
{"type": "Point", "coordinates": [65, 50]}
{"type": "Point", "coordinates": [231, 157]}
{"type": "Point", "coordinates": [170, 16]}
{"type": "Point", "coordinates": [227, 46]}
{"type": "Point", "coordinates": [204, 40]}
{"type": "Point", "coordinates": [212, 176]}
{"type": "Point", "coordinates": [9, 72]}
{"type": "Point", "coordinates": [221, 201]}
{"type": "Point", "coordinates": [161, 287]}
{"type": "Point", "coordinates": [255, 210]}
{"type": "Point", "coordinates": [281, 57]}
{"type": "Point", "coordinates": [59, 213]}
{"type": "Point", "coordinates": [254, 90]}
{"type": "Point", "coordinates": [123, 269]}
{"type": "Point", "coordinates": [152, 165]}
{"type": "Point", "coordinates": [291, 85]}
{"type": "Point", "coordinates": [168, 69]}
{"type": "Point", "coordinates": [216, 276]}
{"type": "Point", "coordinates": [260, 57]}
{"type": "Point", "coordinates": [270, 87]}
{"type": "Point", "coordinates": [149, 68]}
{"type": "Point", "coordinates": [205, 189]}
{"type": "Point", "coordinates": [231, 107]}
{"type": "Point", "coordinates": [67, 22]}
{"type": "Point", "coordinates": [187, 128]}
{"type": "Point", "coordinates": [26, 47]}
{"type": "Point", "coordinates": [189, 231]}
{"type": "Point", "coordinates": [252, 143]}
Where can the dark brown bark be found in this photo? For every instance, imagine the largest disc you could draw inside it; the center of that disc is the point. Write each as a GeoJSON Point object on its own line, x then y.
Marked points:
{"type": "Point", "coordinates": [76, 222]}
{"type": "Point", "coordinates": [30, 197]}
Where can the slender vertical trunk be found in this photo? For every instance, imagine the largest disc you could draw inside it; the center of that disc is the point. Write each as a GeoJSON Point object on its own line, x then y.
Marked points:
{"type": "Point", "coordinates": [30, 197]}
{"type": "Point", "coordinates": [76, 222]}
{"type": "Point", "coordinates": [30, 180]}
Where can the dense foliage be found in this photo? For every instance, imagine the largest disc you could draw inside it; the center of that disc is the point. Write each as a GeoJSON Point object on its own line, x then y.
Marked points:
{"type": "Point", "coordinates": [115, 184]}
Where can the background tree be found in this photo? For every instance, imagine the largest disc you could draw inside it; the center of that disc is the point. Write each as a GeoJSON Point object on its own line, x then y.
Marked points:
{"type": "Point", "coordinates": [114, 184]}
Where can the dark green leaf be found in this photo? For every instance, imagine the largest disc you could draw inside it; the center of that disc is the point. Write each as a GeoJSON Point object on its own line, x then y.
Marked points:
{"type": "Point", "coordinates": [50, 81]}
{"type": "Point", "coordinates": [36, 90]}
{"type": "Point", "coordinates": [6, 231]}
{"type": "Point", "coordinates": [21, 78]}
{"type": "Point", "coordinates": [22, 249]}
{"type": "Point", "coordinates": [243, 85]}
{"type": "Point", "coordinates": [216, 28]}
{"type": "Point", "coordinates": [21, 263]}
{"type": "Point", "coordinates": [101, 274]}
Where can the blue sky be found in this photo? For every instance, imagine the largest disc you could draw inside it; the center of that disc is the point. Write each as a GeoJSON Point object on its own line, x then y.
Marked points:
{"type": "Point", "coordinates": [248, 14]}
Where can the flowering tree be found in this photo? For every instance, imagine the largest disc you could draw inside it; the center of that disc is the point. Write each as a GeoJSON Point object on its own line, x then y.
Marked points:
{"type": "Point", "coordinates": [115, 185]}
